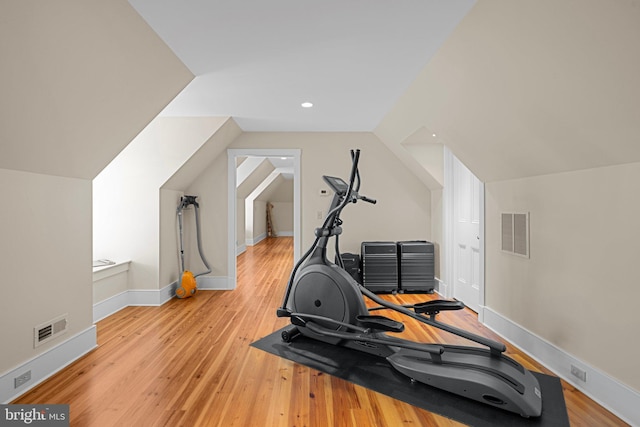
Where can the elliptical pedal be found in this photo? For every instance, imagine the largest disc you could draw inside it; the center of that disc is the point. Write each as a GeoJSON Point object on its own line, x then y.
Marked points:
{"type": "Point", "coordinates": [380, 323]}
{"type": "Point", "coordinates": [436, 306]}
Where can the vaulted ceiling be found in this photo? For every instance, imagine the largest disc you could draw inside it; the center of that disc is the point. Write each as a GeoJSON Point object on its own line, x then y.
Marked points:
{"type": "Point", "coordinates": [527, 88]}
{"type": "Point", "coordinates": [257, 61]}
{"type": "Point", "coordinates": [514, 88]}
{"type": "Point", "coordinates": [79, 80]}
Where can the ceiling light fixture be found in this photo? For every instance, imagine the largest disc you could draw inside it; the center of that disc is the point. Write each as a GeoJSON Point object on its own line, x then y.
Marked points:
{"type": "Point", "coordinates": [306, 104]}
{"type": "Point", "coordinates": [433, 135]}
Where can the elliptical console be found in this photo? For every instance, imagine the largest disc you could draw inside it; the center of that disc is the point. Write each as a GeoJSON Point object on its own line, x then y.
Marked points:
{"type": "Point", "coordinates": [326, 304]}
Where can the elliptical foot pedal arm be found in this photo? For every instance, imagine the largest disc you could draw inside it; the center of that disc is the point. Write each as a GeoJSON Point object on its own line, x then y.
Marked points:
{"type": "Point", "coordinates": [436, 306]}
{"type": "Point", "coordinates": [380, 323]}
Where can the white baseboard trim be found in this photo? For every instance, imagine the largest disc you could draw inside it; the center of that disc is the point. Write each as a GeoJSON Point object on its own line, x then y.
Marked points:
{"type": "Point", "coordinates": [256, 240]}
{"type": "Point", "coordinates": [132, 297]}
{"type": "Point", "coordinates": [240, 249]}
{"type": "Point", "coordinates": [48, 363]}
{"type": "Point", "coordinates": [618, 398]}
{"type": "Point", "coordinates": [110, 306]}
{"type": "Point", "coordinates": [152, 297]}
{"type": "Point", "coordinates": [442, 288]}
{"type": "Point", "coordinates": [284, 233]}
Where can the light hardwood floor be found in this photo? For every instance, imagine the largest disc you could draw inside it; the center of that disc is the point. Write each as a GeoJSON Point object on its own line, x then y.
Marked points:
{"type": "Point", "coordinates": [189, 363]}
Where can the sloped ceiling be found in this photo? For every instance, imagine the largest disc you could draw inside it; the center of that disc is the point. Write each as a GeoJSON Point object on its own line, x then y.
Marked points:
{"type": "Point", "coordinates": [280, 190]}
{"type": "Point", "coordinates": [530, 88]}
{"type": "Point", "coordinates": [79, 80]}
{"type": "Point", "coordinates": [245, 166]}
{"type": "Point", "coordinates": [213, 147]}
{"type": "Point", "coordinates": [269, 173]}
{"type": "Point", "coordinates": [257, 176]}
{"type": "Point", "coordinates": [428, 154]}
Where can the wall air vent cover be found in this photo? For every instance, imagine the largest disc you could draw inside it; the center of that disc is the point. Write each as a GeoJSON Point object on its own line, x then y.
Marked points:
{"type": "Point", "coordinates": [515, 233]}
{"type": "Point", "coordinates": [49, 330]}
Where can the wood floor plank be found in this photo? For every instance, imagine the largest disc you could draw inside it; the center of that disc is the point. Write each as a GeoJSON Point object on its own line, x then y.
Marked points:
{"type": "Point", "coordinates": [189, 363]}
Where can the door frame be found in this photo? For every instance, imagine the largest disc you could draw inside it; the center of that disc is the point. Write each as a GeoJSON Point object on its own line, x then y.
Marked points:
{"type": "Point", "coordinates": [446, 288]}
{"type": "Point", "coordinates": [232, 154]}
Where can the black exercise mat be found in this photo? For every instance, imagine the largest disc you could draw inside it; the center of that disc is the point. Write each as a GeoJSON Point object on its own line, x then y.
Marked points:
{"type": "Point", "coordinates": [376, 373]}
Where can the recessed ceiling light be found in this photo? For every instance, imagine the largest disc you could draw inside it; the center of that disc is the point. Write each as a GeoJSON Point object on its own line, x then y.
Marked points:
{"type": "Point", "coordinates": [433, 135]}
{"type": "Point", "coordinates": [283, 158]}
{"type": "Point", "coordinates": [306, 105]}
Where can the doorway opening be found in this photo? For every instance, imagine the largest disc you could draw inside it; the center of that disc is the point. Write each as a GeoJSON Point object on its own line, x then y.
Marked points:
{"type": "Point", "coordinates": [233, 156]}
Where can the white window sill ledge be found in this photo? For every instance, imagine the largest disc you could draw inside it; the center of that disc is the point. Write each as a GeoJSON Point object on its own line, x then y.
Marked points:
{"type": "Point", "coordinates": [100, 273]}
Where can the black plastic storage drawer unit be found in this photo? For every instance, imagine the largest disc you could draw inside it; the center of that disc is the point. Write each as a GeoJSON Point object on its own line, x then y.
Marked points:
{"type": "Point", "coordinates": [380, 266]}
{"type": "Point", "coordinates": [416, 259]}
{"type": "Point", "coordinates": [352, 265]}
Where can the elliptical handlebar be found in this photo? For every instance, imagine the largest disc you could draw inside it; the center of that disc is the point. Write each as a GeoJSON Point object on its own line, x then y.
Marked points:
{"type": "Point", "coordinates": [368, 200]}
{"type": "Point", "coordinates": [354, 182]}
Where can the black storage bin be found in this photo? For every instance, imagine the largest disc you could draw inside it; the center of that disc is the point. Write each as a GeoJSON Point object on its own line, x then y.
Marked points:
{"type": "Point", "coordinates": [380, 266]}
{"type": "Point", "coordinates": [417, 266]}
{"type": "Point", "coordinates": [351, 265]}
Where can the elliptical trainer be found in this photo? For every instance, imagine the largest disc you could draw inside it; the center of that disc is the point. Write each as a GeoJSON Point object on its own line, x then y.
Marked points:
{"type": "Point", "coordinates": [325, 303]}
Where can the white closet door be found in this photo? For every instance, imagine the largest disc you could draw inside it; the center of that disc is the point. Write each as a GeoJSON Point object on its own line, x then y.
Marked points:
{"type": "Point", "coordinates": [467, 267]}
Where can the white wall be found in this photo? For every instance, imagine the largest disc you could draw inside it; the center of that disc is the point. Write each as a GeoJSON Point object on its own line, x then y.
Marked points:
{"type": "Point", "coordinates": [127, 197]}
{"type": "Point", "coordinates": [579, 288]}
{"type": "Point", "coordinates": [259, 219]}
{"type": "Point", "coordinates": [403, 211]}
{"type": "Point", "coordinates": [45, 259]}
{"type": "Point", "coordinates": [211, 188]}
{"type": "Point", "coordinates": [256, 204]}
{"type": "Point", "coordinates": [282, 218]}
{"type": "Point", "coordinates": [240, 225]}
{"type": "Point", "coordinates": [108, 283]}
{"type": "Point", "coordinates": [437, 230]}
{"type": "Point", "coordinates": [248, 220]}
{"type": "Point", "coordinates": [245, 211]}
{"type": "Point", "coordinates": [281, 197]}
{"type": "Point", "coordinates": [169, 268]}
{"type": "Point", "coordinates": [282, 192]}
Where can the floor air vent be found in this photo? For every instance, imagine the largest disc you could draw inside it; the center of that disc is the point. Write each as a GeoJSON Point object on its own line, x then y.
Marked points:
{"type": "Point", "coordinates": [49, 330]}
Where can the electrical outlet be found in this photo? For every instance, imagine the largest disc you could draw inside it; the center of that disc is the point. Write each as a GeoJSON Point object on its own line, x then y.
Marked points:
{"type": "Point", "coordinates": [18, 381]}
{"type": "Point", "coordinates": [579, 373]}
{"type": "Point", "coordinates": [319, 215]}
